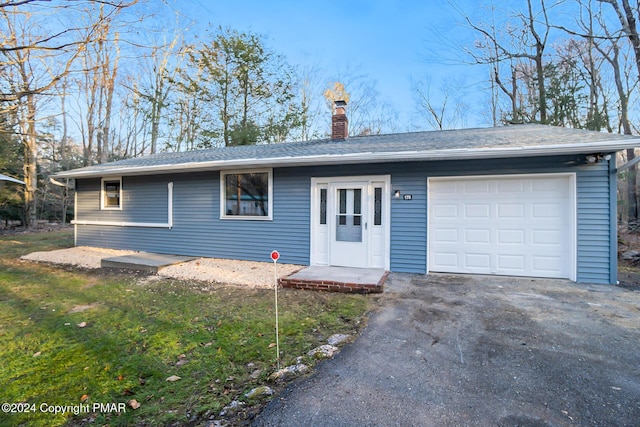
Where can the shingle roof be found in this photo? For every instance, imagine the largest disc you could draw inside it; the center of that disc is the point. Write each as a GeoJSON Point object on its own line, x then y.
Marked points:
{"type": "Point", "coordinates": [499, 142]}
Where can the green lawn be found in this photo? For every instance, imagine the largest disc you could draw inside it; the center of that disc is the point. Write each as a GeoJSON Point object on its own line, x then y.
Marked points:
{"type": "Point", "coordinates": [136, 333]}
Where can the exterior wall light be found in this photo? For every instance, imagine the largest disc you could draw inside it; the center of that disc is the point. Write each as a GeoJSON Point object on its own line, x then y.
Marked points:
{"type": "Point", "coordinates": [597, 158]}
{"type": "Point", "coordinates": [396, 194]}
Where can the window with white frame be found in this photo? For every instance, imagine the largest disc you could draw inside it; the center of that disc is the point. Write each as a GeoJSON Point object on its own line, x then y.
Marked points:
{"type": "Point", "coordinates": [111, 194]}
{"type": "Point", "coordinates": [246, 194]}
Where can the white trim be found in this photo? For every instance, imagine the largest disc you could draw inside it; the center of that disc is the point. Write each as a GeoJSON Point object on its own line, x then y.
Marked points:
{"type": "Point", "coordinates": [102, 205]}
{"type": "Point", "coordinates": [573, 207]}
{"type": "Point", "coordinates": [223, 214]}
{"type": "Point", "coordinates": [368, 157]}
{"type": "Point", "coordinates": [168, 224]}
{"type": "Point", "coordinates": [75, 215]}
{"type": "Point", "coordinates": [124, 224]}
{"type": "Point", "coordinates": [328, 182]}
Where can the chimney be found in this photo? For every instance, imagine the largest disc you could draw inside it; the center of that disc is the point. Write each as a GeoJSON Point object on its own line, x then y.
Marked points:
{"type": "Point", "coordinates": [339, 121]}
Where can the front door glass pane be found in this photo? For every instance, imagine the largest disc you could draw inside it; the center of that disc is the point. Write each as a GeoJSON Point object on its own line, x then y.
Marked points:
{"type": "Point", "coordinates": [323, 206]}
{"type": "Point", "coordinates": [377, 206]}
{"type": "Point", "coordinates": [349, 218]}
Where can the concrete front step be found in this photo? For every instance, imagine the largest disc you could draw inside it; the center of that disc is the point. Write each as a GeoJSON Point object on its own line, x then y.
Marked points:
{"type": "Point", "coordinates": [337, 279]}
{"type": "Point", "coordinates": [144, 261]}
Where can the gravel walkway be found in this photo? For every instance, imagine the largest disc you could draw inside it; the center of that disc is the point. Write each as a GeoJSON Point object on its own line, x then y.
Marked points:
{"type": "Point", "coordinates": [212, 270]}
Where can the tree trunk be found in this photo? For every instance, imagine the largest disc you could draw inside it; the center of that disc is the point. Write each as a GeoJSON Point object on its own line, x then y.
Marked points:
{"type": "Point", "coordinates": [156, 107]}
{"type": "Point", "coordinates": [542, 92]}
{"type": "Point", "coordinates": [30, 164]}
{"type": "Point", "coordinates": [109, 85]}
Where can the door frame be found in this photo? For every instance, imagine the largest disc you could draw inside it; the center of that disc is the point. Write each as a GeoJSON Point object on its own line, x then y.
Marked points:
{"type": "Point", "coordinates": [573, 208]}
{"type": "Point", "coordinates": [320, 247]}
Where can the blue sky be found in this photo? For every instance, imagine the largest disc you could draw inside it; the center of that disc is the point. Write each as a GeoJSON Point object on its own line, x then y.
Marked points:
{"type": "Point", "coordinates": [388, 41]}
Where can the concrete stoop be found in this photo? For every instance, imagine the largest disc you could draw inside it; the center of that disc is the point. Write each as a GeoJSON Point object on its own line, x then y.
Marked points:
{"type": "Point", "coordinates": [144, 261]}
{"type": "Point", "coordinates": [337, 279]}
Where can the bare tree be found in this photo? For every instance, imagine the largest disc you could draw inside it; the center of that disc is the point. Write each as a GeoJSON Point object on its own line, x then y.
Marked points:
{"type": "Point", "coordinates": [445, 112]}
{"type": "Point", "coordinates": [627, 16]}
{"type": "Point", "coordinates": [152, 94]}
{"type": "Point", "coordinates": [22, 80]}
{"type": "Point", "coordinates": [65, 45]}
{"type": "Point", "coordinates": [98, 82]}
{"type": "Point", "coordinates": [527, 41]}
{"type": "Point", "coordinates": [311, 106]}
{"type": "Point", "coordinates": [368, 115]}
{"type": "Point", "coordinates": [30, 53]}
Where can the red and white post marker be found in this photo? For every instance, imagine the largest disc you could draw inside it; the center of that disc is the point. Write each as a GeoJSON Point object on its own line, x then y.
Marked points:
{"type": "Point", "coordinates": [275, 256]}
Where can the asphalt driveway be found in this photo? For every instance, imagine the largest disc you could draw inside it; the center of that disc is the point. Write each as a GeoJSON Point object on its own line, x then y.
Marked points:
{"type": "Point", "coordinates": [472, 350]}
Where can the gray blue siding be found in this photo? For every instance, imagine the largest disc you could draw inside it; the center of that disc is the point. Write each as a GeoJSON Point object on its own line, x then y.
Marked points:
{"type": "Point", "coordinates": [594, 224]}
{"type": "Point", "coordinates": [143, 200]}
{"type": "Point", "coordinates": [409, 223]}
{"type": "Point", "coordinates": [198, 229]}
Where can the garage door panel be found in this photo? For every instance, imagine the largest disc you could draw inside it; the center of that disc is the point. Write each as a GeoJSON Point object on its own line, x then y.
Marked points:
{"type": "Point", "coordinates": [478, 261]}
{"type": "Point", "coordinates": [547, 237]}
{"type": "Point", "coordinates": [546, 263]}
{"type": "Point", "coordinates": [545, 185]}
{"type": "Point", "coordinates": [515, 225]}
{"type": "Point", "coordinates": [548, 210]}
{"type": "Point", "coordinates": [510, 210]}
{"type": "Point", "coordinates": [445, 235]}
{"type": "Point", "coordinates": [476, 187]}
{"type": "Point", "coordinates": [446, 259]}
{"type": "Point", "coordinates": [445, 211]}
{"type": "Point", "coordinates": [448, 187]}
{"type": "Point", "coordinates": [472, 235]}
{"type": "Point", "coordinates": [510, 186]}
{"type": "Point", "coordinates": [510, 237]}
{"type": "Point", "coordinates": [513, 264]}
{"type": "Point", "coordinates": [477, 211]}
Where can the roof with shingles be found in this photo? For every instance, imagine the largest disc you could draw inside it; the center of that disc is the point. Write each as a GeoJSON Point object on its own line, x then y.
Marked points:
{"type": "Point", "coordinates": [498, 142]}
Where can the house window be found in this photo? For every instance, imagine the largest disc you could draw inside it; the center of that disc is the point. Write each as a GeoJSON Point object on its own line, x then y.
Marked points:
{"type": "Point", "coordinates": [246, 194]}
{"type": "Point", "coordinates": [111, 197]}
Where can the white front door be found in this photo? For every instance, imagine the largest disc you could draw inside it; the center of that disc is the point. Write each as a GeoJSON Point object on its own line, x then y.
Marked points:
{"type": "Point", "coordinates": [349, 234]}
{"type": "Point", "coordinates": [350, 221]}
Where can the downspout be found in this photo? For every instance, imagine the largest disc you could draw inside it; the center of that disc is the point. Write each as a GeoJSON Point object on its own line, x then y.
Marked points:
{"type": "Point", "coordinates": [75, 215]}
{"type": "Point", "coordinates": [170, 205]}
{"type": "Point", "coordinates": [613, 216]}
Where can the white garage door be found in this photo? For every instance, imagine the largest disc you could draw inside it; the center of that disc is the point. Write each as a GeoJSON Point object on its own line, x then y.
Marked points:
{"type": "Point", "coordinates": [518, 225]}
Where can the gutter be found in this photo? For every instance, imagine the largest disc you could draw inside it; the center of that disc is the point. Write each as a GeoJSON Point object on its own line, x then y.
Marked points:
{"type": "Point", "coordinates": [352, 158]}
{"type": "Point", "coordinates": [60, 184]}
